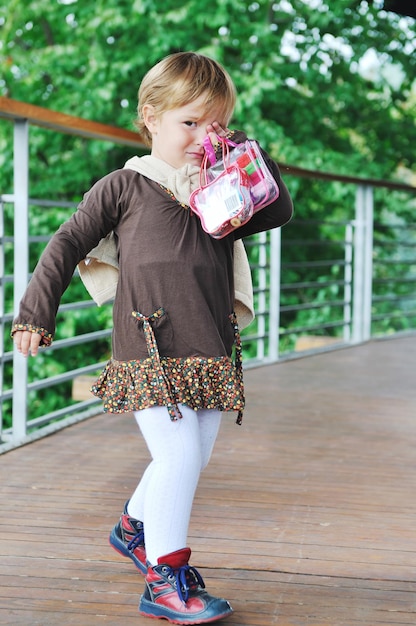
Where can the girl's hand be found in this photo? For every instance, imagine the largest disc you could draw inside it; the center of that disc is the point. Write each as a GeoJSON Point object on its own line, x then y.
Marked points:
{"type": "Point", "coordinates": [27, 342]}
{"type": "Point", "coordinates": [215, 129]}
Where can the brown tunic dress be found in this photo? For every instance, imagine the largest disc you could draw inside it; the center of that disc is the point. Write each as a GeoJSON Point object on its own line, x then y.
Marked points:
{"type": "Point", "coordinates": [173, 322]}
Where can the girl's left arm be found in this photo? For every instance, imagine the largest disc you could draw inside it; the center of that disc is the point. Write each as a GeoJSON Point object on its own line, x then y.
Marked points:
{"type": "Point", "coordinates": [275, 214]}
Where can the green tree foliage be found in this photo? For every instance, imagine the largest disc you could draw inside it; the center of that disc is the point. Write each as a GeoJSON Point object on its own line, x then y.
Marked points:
{"type": "Point", "coordinates": [323, 85]}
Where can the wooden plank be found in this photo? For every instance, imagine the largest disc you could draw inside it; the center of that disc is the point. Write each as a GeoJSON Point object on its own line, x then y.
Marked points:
{"type": "Point", "coordinates": [304, 517]}
{"type": "Point", "coordinates": [81, 387]}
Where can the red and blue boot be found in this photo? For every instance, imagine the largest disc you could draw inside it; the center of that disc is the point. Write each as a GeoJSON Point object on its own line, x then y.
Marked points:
{"type": "Point", "coordinates": [175, 591]}
{"type": "Point", "coordinates": [127, 537]}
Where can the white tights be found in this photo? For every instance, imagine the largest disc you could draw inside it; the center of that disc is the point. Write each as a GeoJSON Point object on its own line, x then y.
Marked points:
{"type": "Point", "coordinates": [180, 450]}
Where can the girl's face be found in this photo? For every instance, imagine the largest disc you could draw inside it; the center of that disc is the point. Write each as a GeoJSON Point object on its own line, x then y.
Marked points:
{"type": "Point", "coordinates": [178, 134]}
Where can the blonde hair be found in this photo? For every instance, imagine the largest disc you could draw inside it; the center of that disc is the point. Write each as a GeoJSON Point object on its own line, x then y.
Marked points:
{"type": "Point", "coordinates": [181, 78]}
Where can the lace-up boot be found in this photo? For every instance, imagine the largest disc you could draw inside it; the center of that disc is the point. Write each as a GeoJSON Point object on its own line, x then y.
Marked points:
{"type": "Point", "coordinates": [175, 591]}
{"type": "Point", "coordinates": [127, 537]}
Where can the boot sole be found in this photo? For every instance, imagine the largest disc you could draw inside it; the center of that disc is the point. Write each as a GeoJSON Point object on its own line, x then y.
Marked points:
{"type": "Point", "coordinates": [150, 609]}
{"type": "Point", "coordinates": [119, 546]}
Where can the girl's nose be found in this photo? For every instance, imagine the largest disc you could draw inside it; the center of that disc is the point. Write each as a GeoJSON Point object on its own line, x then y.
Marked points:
{"type": "Point", "coordinates": [200, 136]}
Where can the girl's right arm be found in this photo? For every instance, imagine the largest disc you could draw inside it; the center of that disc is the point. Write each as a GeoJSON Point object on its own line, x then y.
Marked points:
{"type": "Point", "coordinates": [96, 216]}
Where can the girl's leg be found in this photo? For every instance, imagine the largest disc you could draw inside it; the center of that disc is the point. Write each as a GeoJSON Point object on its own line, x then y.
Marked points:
{"type": "Point", "coordinates": [180, 450]}
{"type": "Point", "coordinates": [135, 505]}
{"type": "Point", "coordinates": [209, 421]}
{"type": "Point", "coordinates": [164, 497]}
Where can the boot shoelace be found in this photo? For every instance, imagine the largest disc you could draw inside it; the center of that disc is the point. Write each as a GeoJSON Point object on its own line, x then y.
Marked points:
{"type": "Point", "coordinates": [185, 578]}
{"type": "Point", "coordinates": [136, 541]}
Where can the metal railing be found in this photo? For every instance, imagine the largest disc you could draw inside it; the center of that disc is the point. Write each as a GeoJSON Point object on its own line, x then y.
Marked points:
{"type": "Point", "coordinates": [318, 284]}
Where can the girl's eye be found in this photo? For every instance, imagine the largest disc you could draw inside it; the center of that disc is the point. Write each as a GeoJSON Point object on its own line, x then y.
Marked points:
{"type": "Point", "coordinates": [188, 123]}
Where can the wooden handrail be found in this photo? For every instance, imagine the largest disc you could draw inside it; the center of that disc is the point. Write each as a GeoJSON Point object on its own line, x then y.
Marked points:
{"type": "Point", "coordinates": [14, 109]}
{"type": "Point", "coordinates": [39, 116]}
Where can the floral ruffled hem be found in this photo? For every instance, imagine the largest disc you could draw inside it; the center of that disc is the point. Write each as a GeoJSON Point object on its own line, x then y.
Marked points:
{"type": "Point", "coordinates": [46, 337]}
{"type": "Point", "coordinates": [198, 382]}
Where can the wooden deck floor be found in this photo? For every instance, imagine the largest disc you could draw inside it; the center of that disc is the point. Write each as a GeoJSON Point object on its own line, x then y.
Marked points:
{"type": "Point", "coordinates": [306, 515]}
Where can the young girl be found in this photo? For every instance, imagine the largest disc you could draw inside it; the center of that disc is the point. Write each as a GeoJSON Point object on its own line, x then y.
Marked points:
{"type": "Point", "coordinates": [174, 320]}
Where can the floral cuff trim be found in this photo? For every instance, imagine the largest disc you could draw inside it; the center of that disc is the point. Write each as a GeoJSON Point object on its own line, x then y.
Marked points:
{"type": "Point", "coordinates": [46, 337]}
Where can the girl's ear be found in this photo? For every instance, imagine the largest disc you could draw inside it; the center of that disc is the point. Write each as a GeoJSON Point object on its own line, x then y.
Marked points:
{"type": "Point", "coordinates": [149, 118]}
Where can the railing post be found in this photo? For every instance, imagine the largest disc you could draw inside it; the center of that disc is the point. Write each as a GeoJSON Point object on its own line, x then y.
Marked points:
{"type": "Point", "coordinates": [2, 264]}
{"type": "Point", "coordinates": [262, 274]}
{"type": "Point", "coordinates": [21, 264]}
{"type": "Point", "coordinates": [275, 281]}
{"type": "Point", "coordinates": [348, 257]}
{"type": "Point", "coordinates": [363, 264]}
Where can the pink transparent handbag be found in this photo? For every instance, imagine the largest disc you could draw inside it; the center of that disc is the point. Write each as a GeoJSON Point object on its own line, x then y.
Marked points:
{"type": "Point", "coordinates": [233, 188]}
{"type": "Point", "coordinates": [223, 201]}
{"type": "Point", "coordinates": [263, 187]}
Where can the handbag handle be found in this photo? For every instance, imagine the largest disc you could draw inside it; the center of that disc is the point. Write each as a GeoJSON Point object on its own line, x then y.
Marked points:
{"type": "Point", "coordinates": [208, 154]}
